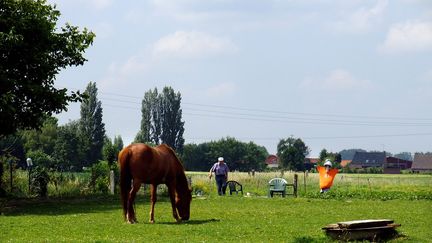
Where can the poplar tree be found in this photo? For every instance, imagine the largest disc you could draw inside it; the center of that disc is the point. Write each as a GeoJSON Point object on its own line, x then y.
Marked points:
{"type": "Point", "coordinates": [91, 126]}
{"type": "Point", "coordinates": [162, 119]}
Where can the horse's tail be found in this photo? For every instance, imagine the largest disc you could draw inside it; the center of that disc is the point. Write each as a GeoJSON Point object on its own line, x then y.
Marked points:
{"type": "Point", "coordinates": [125, 178]}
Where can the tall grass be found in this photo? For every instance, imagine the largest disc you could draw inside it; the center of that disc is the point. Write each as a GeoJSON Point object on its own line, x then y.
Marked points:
{"type": "Point", "coordinates": [368, 186]}
{"type": "Point", "coordinates": [345, 186]}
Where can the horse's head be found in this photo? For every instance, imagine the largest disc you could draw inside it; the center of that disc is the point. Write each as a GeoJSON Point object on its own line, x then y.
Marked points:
{"type": "Point", "coordinates": [183, 201]}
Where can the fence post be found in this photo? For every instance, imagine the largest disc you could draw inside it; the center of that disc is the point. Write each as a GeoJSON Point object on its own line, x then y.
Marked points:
{"type": "Point", "coordinates": [304, 180]}
{"type": "Point", "coordinates": [112, 186]}
{"type": "Point", "coordinates": [295, 184]}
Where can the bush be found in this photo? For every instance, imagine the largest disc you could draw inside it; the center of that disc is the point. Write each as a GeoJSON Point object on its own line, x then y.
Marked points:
{"type": "Point", "coordinates": [39, 182]}
{"type": "Point", "coordinates": [40, 158]}
{"type": "Point", "coordinates": [99, 181]}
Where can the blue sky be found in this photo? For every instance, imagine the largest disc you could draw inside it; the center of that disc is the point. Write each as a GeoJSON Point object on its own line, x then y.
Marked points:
{"type": "Point", "coordinates": [338, 74]}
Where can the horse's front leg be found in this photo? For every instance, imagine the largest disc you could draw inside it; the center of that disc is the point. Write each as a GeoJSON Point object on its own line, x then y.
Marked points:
{"type": "Point", "coordinates": [130, 216]}
{"type": "Point", "coordinates": [153, 198]}
{"type": "Point", "coordinates": [171, 191]}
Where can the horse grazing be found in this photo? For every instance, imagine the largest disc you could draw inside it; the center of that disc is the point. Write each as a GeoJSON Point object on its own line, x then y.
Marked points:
{"type": "Point", "coordinates": [140, 163]}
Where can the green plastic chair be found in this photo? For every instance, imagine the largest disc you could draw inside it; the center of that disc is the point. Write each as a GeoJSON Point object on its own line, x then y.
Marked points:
{"type": "Point", "coordinates": [277, 185]}
{"type": "Point", "coordinates": [234, 186]}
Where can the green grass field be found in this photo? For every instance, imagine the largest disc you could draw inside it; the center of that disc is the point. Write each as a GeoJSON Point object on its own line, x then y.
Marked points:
{"type": "Point", "coordinates": [229, 218]}
{"type": "Point", "coordinates": [213, 219]}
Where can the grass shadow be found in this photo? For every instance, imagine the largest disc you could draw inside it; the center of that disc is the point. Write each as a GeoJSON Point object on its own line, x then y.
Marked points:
{"type": "Point", "coordinates": [308, 239]}
{"type": "Point", "coordinates": [58, 206]}
{"type": "Point", "coordinates": [192, 222]}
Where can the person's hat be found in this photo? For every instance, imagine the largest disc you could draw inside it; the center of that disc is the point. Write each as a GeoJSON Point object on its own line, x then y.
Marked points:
{"type": "Point", "coordinates": [220, 159]}
{"type": "Point", "coordinates": [328, 163]}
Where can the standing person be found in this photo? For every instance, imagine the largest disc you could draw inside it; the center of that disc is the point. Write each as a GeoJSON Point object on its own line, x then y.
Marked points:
{"type": "Point", "coordinates": [221, 172]}
{"type": "Point", "coordinates": [326, 176]}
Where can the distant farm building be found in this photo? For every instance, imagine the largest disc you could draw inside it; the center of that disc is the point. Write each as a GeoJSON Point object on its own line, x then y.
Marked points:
{"type": "Point", "coordinates": [390, 165]}
{"type": "Point", "coordinates": [422, 162]}
{"type": "Point", "coordinates": [272, 161]}
{"type": "Point", "coordinates": [395, 165]}
{"type": "Point", "coordinates": [368, 159]}
{"type": "Point", "coordinates": [345, 162]}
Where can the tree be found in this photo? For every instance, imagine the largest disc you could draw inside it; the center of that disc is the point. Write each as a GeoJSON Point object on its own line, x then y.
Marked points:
{"type": "Point", "coordinates": [404, 155]}
{"type": "Point", "coordinates": [69, 148]}
{"type": "Point", "coordinates": [238, 155]}
{"type": "Point", "coordinates": [118, 143]}
{"type": "Point", "coordinates": [43, 139]}
{"type": "Point", "coordinates": [150, 121]}
{"type": "Point", "coordinates": [162, 119]}
{"type": "Point", "coordinates": [91, 126]}
{"type": "Point", "coordinates": [11, 149]}
{"type": "Point", "coordinates": [335, 158]}
{"type": "Point", "coordinates": [33, 51]}
{"type": "Point", "coordinates": [172, 124]}
{"type": "Point", "coordinates": [292, 152]}
{"type": "Point", "coordinates": [108, 153]}
{"type": "Point", "coordinates": [112, 149]}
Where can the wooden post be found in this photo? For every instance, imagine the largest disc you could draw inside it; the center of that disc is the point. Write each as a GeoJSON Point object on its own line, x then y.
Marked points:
{"type": "Point", "coordinates": [304, 181]}
{"type": "Point", "coordinates": [11, 175]}
{"type": "Point", "coordinates": [295, 184]}
{"type": "Point", "coordinates": [112, 182]}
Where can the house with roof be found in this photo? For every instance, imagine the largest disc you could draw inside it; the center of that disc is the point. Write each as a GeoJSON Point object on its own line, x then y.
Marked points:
{"type": "Point", "coordinates": [394, 165]}
{"type": "Point", "coordinates": [272, 161]}
{"type": "Point", "coordinates": [345, 162]}
{"type": "Point", "coordinates": [390, 165]}
{"type": "Point", "coordinates": [422, 162]}
{"type": "Point", "coordinates": [367, 160]}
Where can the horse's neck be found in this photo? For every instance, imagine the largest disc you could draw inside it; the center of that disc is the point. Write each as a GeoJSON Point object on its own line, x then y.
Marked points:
{"type": "Point", "coordinates": [181, 181]}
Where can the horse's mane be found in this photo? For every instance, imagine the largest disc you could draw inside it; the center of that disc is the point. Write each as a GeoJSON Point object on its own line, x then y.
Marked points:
{"type": "Point", "coordinates": [182, 184]}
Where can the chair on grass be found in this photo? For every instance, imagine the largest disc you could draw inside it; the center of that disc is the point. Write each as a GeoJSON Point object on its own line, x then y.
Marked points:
{"type": "Point", "coordinates": [277, 185]}
{"type": "Point", "coordinates": [234, 186]}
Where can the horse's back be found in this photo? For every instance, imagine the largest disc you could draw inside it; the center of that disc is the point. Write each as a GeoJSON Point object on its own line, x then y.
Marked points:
{"type": "Point", "coordinates": [151, 164]}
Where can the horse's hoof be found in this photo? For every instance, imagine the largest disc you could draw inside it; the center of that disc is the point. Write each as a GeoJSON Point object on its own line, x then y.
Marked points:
{"type": "Point", "coordinates": [151, 221]}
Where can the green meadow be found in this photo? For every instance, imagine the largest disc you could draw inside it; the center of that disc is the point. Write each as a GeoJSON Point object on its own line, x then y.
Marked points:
{"type": "Point", "coordinates": [252, 218]}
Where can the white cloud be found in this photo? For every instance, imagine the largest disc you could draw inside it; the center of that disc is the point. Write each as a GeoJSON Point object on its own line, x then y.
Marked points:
{"type": "Point", "coordinates": [192, 45]}
{"type": "Point", "coordinates": [99, 4]}
{"type": "Point", "coordinates": [95, 4]}
{"type": "Point", "coordinates": [103, 30]}
{"type": "Point", "coordinates": [361, 20]}
{"type": "Point", "coordinates": [411, 36]}
{"type": "Point", "coordinates": [221, 90]}
{"type": "Point", "coordinates": [337, 80]}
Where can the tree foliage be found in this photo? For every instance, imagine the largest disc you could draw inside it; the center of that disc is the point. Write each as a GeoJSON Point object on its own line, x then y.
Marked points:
{"type": "Point", "coordinates": [335, 158]}
{"type": "Point", "coordinates": [404, 155]}
{"type": "Point", "coordinates": [32, 53]}
{"type": "Point", "coordinates": [91, 126]}
{"type": "Point", "coordinates": [43, 139]}
{"type": "Point", "coordinates": [292, 152]}
{"type": "Point", "coordinates": [238, 155]}
{"type": "Point", "coordinates": [112, 149]}
{"type": "Point", "coordinates": [69, 149]}
{"type": "Point", "coordinates": [162, 119]}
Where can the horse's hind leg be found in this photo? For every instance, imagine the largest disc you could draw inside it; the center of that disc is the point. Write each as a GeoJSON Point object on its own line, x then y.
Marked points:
{"type": "Point", "coordinates": [130, 216]}
{"type": "Point", "coordinates": [153, 198]}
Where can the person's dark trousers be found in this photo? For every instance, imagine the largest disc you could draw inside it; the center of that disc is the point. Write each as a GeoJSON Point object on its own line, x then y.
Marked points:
{"type": "Point", "coordinates": [221, 184]}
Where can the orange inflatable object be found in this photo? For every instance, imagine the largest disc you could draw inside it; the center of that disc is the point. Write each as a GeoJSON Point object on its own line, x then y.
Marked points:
{"type": "Point", "coordinates": [326, 178]}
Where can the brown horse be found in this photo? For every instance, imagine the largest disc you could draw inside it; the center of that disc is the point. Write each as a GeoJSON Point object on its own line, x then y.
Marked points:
{"type": "Point", "coordinates": [140, 163]}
